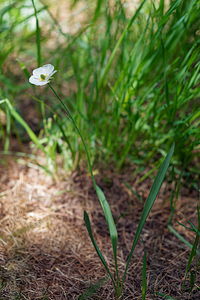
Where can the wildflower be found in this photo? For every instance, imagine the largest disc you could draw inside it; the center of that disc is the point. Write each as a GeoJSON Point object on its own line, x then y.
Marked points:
{"type": "Point", "coordinates": [42, 75]}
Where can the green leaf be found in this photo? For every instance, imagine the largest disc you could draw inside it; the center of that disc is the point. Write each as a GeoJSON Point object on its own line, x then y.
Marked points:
{"type": "Point", "coordinates": [111, 224]}
{"type": "Point", "coordinates": [89, 229]}
{"type": "Point", "coordinates": [193, 227]}
{"type": "Point", "coordinates": [144, 280]}
{"type": "Point", "coordinates": [149, 202]}
{"type": "Point", "coordinates": [21, 121]}
{"type": "Point", "coordinates": [193, 252]}
{"type": "Point", "coordinates": [192, 280]}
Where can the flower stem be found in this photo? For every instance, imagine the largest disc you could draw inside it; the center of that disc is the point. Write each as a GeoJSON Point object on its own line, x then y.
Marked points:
{"type": "Point", "coordinates": [118, 288]}
{"type": "Point", "coordinates": [37, 35]}
{"type": "Point", "coordinates": [79, 132]}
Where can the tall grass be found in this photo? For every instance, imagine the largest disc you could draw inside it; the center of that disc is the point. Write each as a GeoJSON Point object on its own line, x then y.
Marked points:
{"type": "Point", "coordinates": [132, 76]}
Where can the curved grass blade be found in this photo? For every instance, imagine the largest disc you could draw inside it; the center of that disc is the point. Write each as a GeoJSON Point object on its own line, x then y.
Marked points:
{"type": "Point", "coordinates": [111, 225]}
{"type": "Point", "coordinates": [193, 228]}
{"type": "Point", "coordinates": [149, 202]}
{"type": "Point", "coordinates": [21, 121]}
{"type": "Point", "coordinates": [89, 229]}
{"type": "Point", "coordinates": [179, 236]}
{"type": "Point", "coordinates": [7, 8]}
{"type": "Point", "coordinates": [101, 196]}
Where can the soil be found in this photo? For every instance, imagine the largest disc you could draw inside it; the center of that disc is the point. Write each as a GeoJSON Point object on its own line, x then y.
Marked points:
{"type": "Point", "coordinates": [45, 250]}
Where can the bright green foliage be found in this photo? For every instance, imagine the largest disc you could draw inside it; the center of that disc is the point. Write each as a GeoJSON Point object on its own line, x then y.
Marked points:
{"type": "Point", "coordinates": [20, 120]}
{"type": "Point", "coordinates": [132, 85]}
{"type": "Point", "coordinates": [134, 77]}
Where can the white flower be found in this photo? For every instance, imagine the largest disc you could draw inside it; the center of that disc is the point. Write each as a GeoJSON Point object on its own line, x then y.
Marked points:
{"type": "Point", "coordinates": [42, 75]}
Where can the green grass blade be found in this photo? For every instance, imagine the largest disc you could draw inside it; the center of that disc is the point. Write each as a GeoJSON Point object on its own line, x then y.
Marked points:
{"type": "Point", "coordinates": [21, 121]}
{"type": "Point", "coordinates": [89, 229]}
{"type": "Point", "coordinates": [144, 279]}
{"type": "Point", "coordinates": [192, 280]}
{"type": "Point", "coordinates": [118, 44]}
{"type": "Point", "coordinates": [2, 285]}
{"type": "Point", "coordinates": [149, 202]}
{"type": "Point", "coordinates": [165, 71]}
{"type": "Point", "coordinates": [8, 130]}
{"type": "Point", "coordinates": [37, 35]}
{"type": "Point", "coordinates": [193, 227]}
{"type": "Point", "coordinates": [7, 8]}
{"type": "Point", "coordinates": [45, 169]}
{"type": "Point", "coordinates": [189, 228]}
{"type": "Point", "coordinates": [111, 224]}
{"type": "Point", "coordinates": [194, 250]}
{"type": "Point", "coordinates": [101, 196]}
{"type": "Point", "coordinates": [97, 10]}
{"type": "Point", "coordinates": [192, 255]}
{"type": "Point", "coordinates": [179, 236]}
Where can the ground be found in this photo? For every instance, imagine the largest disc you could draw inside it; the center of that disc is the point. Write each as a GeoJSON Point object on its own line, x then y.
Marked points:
{"type": "Point", "coordinates": [45, 250]}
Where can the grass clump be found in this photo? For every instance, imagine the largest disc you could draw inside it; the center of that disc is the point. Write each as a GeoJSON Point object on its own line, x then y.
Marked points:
{"type": "Point", "coordinates": [131, 81]}
{"type": "Point", "coordinates": [131, 78]}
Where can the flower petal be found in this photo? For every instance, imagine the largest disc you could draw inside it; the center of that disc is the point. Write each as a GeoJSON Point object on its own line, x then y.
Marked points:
{"type": "Point", "coordinates": [38, 71]}
{"type": "Point", "coordinates": [46, 69]}
{"type": "Point", "coordinates": [42, 83]}
{"type": "Point", "coordinates": [50, 75]}
{"type": "Point", "coordinates": [36, 81]}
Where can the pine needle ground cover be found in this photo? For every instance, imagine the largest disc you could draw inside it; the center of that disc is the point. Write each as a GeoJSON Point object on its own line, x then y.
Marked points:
{"type": "Point", "coordinates": [46, 252]}
{"type": "Point", "coordinates": [127, 89]}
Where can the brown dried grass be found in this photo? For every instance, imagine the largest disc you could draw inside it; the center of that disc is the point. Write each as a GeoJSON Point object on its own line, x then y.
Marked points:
{"type": "Point", "coordinates": [45, 251]}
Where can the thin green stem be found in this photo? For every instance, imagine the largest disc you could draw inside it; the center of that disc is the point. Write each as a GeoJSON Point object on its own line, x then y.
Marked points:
{"type": "Point", "coordinates": [79, 132]}
{"type": "Point", "coordinates": [179, 236]}
{"type": "Point", "coordinates": [118, 288]}
{"type": "Point", "coordinates": [37, 35]}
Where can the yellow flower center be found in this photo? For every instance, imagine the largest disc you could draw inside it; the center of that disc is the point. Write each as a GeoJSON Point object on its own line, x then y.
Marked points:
{"type": "Point", "coordinates": [43, 77]}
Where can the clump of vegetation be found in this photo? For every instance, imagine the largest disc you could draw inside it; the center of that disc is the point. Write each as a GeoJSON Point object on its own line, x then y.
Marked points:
{"type": "Point", "coordinates": [129, 82]}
